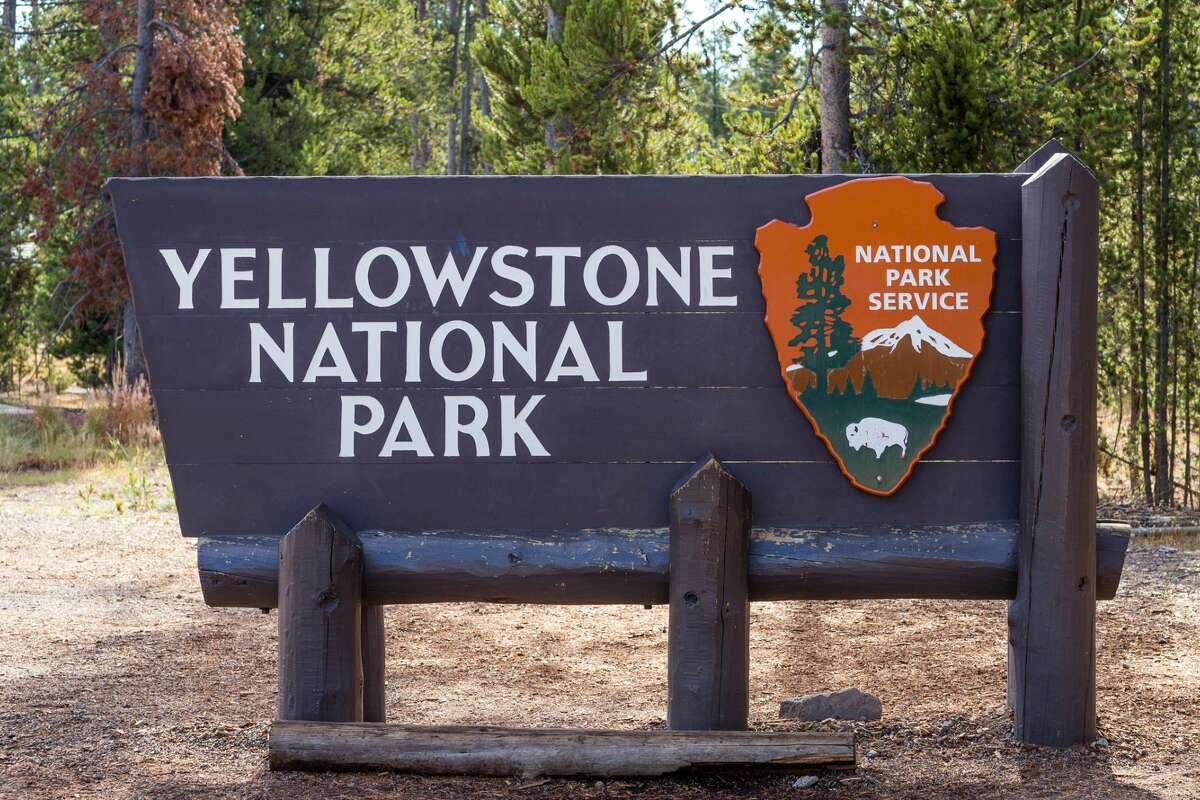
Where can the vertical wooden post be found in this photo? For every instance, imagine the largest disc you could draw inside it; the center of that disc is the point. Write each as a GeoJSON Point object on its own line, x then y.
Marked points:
{"type": "Point", "coordinates": [373, 660]}
{"type": "Point", "coordinates": [708, 639]}
{"type": "Point", "coordinates": [320, 621]}
{"type": "Point", "coordinates": [1052, 621]}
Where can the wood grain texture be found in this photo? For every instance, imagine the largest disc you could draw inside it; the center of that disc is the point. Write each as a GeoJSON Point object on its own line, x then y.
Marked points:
{"type": "Point", "coordinates": [708, 633]}
{"type": "Point", "coordinates": [631, 567]}
{"type": "Point", "coordinates": [374, 660]}
{"type": "Point", "coordinates": [462, 495]}
{"type": "Point", "coordinates": [461, 750]}
{"type": "Point", "coordinates": [750, 424]}
{"type": "Point", "coordinates": [320, 621]}
{"type": "Point", "coordinates": [1052, 620]}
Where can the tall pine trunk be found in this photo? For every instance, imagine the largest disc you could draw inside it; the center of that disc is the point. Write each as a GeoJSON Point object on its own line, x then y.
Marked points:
{"type": "Point", "coordinates": [453, 25]}
{"type": "Point", "coordinates": [131, 337]}
{"type": "Point", "coordinates": [485, 96]}
{"type": "Point", "coordinates": [1162, 282]}
{"type": "Point", "coordinates": [835, 87]}
{"type": "Point", "coordinates": [419, 158]}
{"type": "Point", "coordinates": [557, 127]}
{"type": "Point", "coordinates": [1143, 367]}
{"type": "Point", "coordinates": [1189, 366]}
{"type": "Point", "coordinates": [464, 105]}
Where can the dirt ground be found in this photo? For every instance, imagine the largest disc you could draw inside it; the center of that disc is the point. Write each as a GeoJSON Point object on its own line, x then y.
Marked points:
{"type": "Point", "coordinates": [117, 682]}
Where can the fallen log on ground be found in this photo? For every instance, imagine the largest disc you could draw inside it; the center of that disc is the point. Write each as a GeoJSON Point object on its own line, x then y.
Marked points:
{"type": "Point", "coordinates": [614, 567]}
{"type": "Point", "coordinates": [463, 750]}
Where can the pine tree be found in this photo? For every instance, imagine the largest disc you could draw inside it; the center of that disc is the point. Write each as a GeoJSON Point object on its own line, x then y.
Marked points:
{"type": "Point", "coordinates": [593, 94]}
{"type": "Point", "coordinates": [824, 338]}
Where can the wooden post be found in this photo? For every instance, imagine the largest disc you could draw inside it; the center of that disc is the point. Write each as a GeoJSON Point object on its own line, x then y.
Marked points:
{"type": "Point", "coordinates": [1052, 621]}
{"type": "Point", "coordinates": [320, 621]}
{"type": "Point", "coordinates": [708, 638]}
{"type": "Point", "coordinates": [373, 659]}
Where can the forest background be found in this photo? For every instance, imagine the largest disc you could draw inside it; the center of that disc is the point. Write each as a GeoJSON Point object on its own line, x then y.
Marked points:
{"type": "Point", "coordinates": [90, 89]}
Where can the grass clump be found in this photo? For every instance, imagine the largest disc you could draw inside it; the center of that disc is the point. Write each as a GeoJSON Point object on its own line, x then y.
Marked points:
{"type": "Point", "coordinates": [120, 426]}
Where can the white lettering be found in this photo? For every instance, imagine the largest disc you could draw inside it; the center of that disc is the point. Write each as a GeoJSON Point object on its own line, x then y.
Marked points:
{"type": "Point", "coordinates": [459, 283]}
{"type": "Point", "coordinates": [350, 428]}
{"type": "Point", "coordinates": [709, 274]}
{"type": "Point", "coordinates": [283, 357]}
{"type": "Point", "coordinates": [231, 276]}
{"type": "Point", "coordinates": [514, 425]}
{"type": "Point", "coordinates": [591, 270]}
{"type": "Point", "coordinates": [374, 332]}
{"type": "Point", "coordinates": [406, 420]}
{"type": "Point", "coordinates": [275, 298]}
{"type": "Point", "coordinates": [362, 276]}
{"type": "Point", "coordinates": [186, 278]}
{"type": "Point", "coordinates": [510, 273]}
{"type": "Point", "coordinates": [437, 355]}
{"type": "Point", "coordinates": [571, 346]}
{"type": "Point", "coordinates": [332, 346]}
{"type": "Point", "coordinates": [473, 428]}
{"type": "Point", "coordinates": [503, 341]}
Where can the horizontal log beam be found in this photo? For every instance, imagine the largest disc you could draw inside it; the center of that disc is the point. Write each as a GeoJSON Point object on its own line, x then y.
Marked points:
{"type": "Point", "coordinates": [455, 750]}
{"type": "Point", "coordinates": [976, 562]}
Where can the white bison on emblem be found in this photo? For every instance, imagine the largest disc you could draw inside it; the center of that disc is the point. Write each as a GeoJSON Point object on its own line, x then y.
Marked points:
{"type": "Point", "coordinates": [877, 434]}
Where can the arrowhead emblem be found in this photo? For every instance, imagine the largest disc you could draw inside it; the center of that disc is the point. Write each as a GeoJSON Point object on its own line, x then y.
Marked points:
{"type": "Point", "coordinates": [876, 311]}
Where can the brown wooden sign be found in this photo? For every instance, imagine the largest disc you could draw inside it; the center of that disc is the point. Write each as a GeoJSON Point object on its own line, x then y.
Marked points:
{"type": "Point", "coordinates": [540, 354]}
{"type": "Point", "coordinates": [876, 308]}
{"type": "Point", "coordinates": [401, 390]}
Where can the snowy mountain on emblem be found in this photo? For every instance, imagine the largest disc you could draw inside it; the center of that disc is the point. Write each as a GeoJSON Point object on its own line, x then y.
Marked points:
{"type": "Point", "coordinates": [909, 357]}
{"type": "Point", "coordinates": [917, 333]}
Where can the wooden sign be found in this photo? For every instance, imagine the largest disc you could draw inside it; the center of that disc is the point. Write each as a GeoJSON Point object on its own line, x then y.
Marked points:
{"type": "Point", "coordinates": [548, 354]}
{"type": "Point", "coordinates": [876, 309]}
{"type": "Point", "coordinates": [561, 390]}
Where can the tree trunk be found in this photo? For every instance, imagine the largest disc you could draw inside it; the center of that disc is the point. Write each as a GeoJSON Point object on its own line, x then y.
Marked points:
{"type": "Point", "coordinates": [1135, 411]}
{"type": "Point", "coordinates": [453, 25]}
{"type": "Point", "coordinates": [451, 150]}
{"type": "Point", "coordinates": [485, 95]}
{"type": "Point", "coordinates": [1189, 366]}
{"type": "Point", "coordinates": [1139, 148]}
{"type": "Point", "coordinates": [835, 88]}
{"type": "Point", "coordinates": [557, 127]}
{"type": "Point", "coordinates": [131, 346]}
{"type": "Point", "coordinates": [464, 106]}
{"type": "Point", "coordinates": [419, 158]}
{"type": "Point", "coordinates": [1162, 284]}
{"type": "Point", "coordinates": [131, 337]}
{"type": "Point", "coordinates": [10, 19]}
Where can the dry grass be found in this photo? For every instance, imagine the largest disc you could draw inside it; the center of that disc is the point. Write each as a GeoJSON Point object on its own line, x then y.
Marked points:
{"type": "Point", "coordinates": [116, 426]}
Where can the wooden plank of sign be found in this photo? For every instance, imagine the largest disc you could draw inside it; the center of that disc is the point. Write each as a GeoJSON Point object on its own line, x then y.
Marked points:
{"type": "Point", "coordinates": [374, 657]}
{"type": "Point", "coordinates": [346, 213]}
{"type": "Point", "coordinates": [531, 752]}
{"type": "Point", "coordinates": [1052, 621]}
{"type": "Point", "coordinates": [449, 495]}
{"type": "Point", "coordinates": [614, 567]}
{"type": "Point", "coordinates": [320, 621]}
{"type": "Point", "coordinates": [680, 349]}
{"type": "Point", "coordinates": [708, 632]}
{"type": "Point", "coordinates": [744, 424]}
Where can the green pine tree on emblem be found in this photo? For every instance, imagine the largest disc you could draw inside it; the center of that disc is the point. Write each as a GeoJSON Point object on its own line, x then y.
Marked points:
{"type": "Point", "coordinates": [824, 338]}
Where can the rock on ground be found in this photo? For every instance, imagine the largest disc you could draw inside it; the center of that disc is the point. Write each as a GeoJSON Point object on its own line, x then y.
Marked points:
{"type": "Point", "coordinates": [843, 704]}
